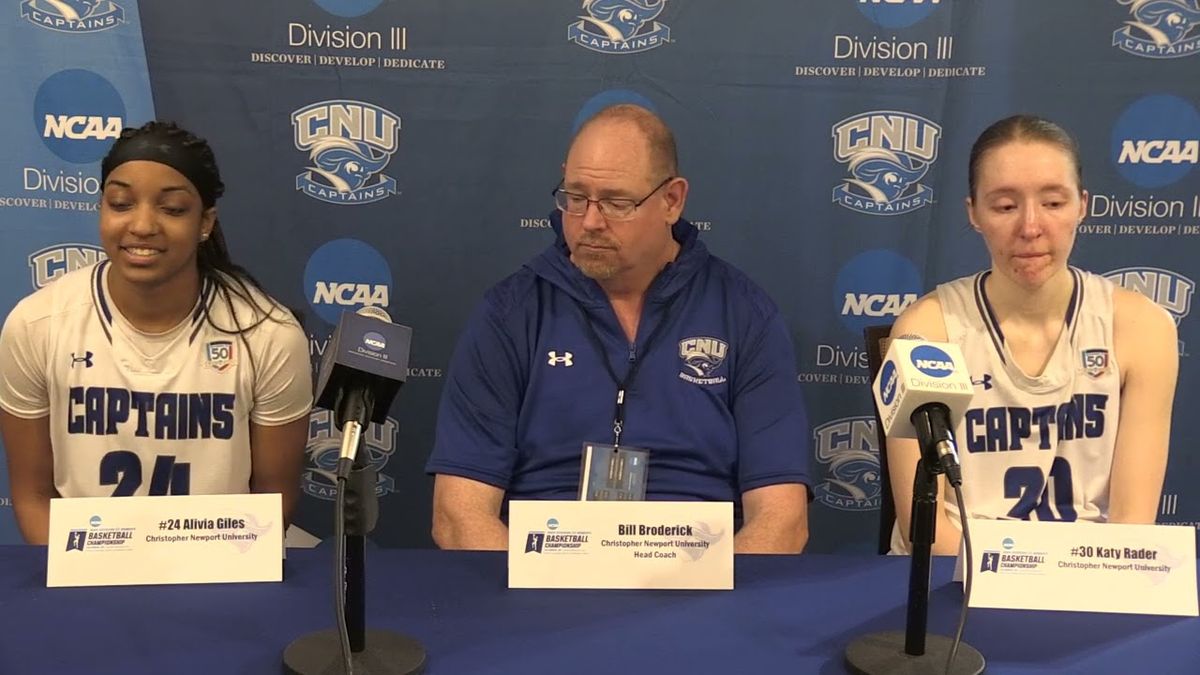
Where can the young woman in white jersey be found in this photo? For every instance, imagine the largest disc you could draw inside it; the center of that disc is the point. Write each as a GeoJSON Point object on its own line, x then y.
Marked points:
{"type": "Point", "coordinates": [164, 369]}
{"type": "Point", "coordinates": [1074, 376]}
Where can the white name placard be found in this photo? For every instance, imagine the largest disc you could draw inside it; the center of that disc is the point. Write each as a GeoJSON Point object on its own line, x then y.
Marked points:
{"type": "Point", "coordinates": [1084, 567]}
{"type": "Point", "coordinates": [617, 544]}
{"type": "Point", "coordinates": [165, 540]}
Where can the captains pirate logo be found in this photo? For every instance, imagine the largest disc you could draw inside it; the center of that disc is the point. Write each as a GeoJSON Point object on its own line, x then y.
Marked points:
{"type": "Point", "coordinates": [848, 449]}
{"type": "Point", "coordinates": [886, 153]}
{"type": "Point", "coordinates": [73, 16]}
{"type": "Point", "coordinates": [348, 144]}
{"type": "Point", "coordinates": [319, 479]}
{"type": "Point", "coordinates": [702, 356]}
{"type": "Point", "coordinates": [1160, 29]}
{"type": "Point", "coordinates": [620, 26]}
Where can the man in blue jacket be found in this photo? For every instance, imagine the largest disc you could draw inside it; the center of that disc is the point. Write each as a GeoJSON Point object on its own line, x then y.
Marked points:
{"type": "Point", "coordinates": [627, 299]}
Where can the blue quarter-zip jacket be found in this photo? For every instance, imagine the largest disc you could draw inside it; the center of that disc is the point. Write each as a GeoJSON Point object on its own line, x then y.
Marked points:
{"type": "Point", "coordinates": [716, 401]}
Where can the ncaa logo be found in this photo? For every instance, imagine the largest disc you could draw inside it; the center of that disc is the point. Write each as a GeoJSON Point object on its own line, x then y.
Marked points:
{"type": "Point", "coordinates": [848, 451]}
{"type": "Point", "coordinates": [78, 114]}
{"type": "Point", "coordinates": [348, 8]}
{"type": "Point", "coordinates": [1160, 29]}
{"type": "Point", "coordinates": [52, 262]}
{"type": "Point", "coordinates": [73, 16]}
{"type": "Point", "coordinates": [1156, 140]}
{"type": "Point", "coordinates": [886, 153]}
{"type": "Point", "coordinates": [374, 341]}
{"type": "Point", "coordinates": [1170, 290]}
{"type": "Point", "coordinates": [896, 13]}
{"type": "Point", "coordinates": [620, 26]}
{"type": "Point", "coordinates": [319, 479]}
{"type": "Point", "coordinates": [888, 377]}
{"type": "Point", "coordinates": [218, 355]}
{"type": "Point", "coordinates": [932, 361]}
{"type": "Point", "coordinates": [348, 144]}
{"type": "Point", "coordinates": [346, 275]}
{"type": "Point", "coordinates": [873, 288]}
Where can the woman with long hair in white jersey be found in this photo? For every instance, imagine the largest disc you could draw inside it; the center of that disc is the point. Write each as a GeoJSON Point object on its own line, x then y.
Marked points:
{"type": "Point", "coordinates": [163, 369]}
{"type": "Point", "coordinates": [1074, 376]}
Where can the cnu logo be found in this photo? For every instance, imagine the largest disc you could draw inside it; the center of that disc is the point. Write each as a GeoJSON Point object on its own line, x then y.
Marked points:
{"type": "Point", "coordinates": [324, 446]}
{"type": "Point", "coordinates": [348, 144]}
{"type": "Point", "coordinates": [849, 451]}
{"type": "Point", "coordinates": [73, 16]}
{"type": "Point", "coordinates": [703, 355]}
{"type": "Point", "coordinates": [620, 26]}
{"type": "Point", "coordinates": [1161, 29]}
{"type": "Point", "coordinates": [1172, 291]}
{"type": "Point", "coordinates": [52, 262]}
{"type": "Point", "coordinates": [887, 153]}
{"type": "Point", "coordinates": [932, 361]}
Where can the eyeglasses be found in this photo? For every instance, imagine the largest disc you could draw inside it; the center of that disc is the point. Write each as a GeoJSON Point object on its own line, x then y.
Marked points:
{"type": "Point", "coordinates": [612, 208]}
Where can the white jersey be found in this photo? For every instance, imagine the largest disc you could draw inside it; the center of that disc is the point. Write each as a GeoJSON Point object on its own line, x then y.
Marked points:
{"type": "Point", "coordinates": [132, 413]}
{"type": "Point", "coordinates": [1037, 448]}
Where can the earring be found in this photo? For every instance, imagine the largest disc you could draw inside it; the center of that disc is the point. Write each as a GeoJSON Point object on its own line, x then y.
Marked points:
{"type": "Point", "coordinates": [203, 236]}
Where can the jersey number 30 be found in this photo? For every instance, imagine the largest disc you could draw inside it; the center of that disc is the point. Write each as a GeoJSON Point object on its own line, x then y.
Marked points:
{"type": "Point", "coordinates": [123, 469]}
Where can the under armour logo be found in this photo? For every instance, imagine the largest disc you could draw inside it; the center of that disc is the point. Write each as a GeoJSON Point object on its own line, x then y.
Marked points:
{"type": "Point", "coordinates": [86, 359]}
{"type": "Point", "coordinates": [565, 359]}
{"type": "Point", "coordinates": [986, 382]}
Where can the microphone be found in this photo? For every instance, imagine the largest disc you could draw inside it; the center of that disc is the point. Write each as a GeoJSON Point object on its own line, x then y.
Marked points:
{"type": "Point", "coordinates": [920, 388]}
{"type": "Point", "coordinates": [362, 369]}
{"type": "Point", "coordinates": [364, 364]}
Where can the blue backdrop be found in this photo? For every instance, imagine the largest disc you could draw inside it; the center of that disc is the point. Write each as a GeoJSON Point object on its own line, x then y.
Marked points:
{"type": "Point", "coordinates": [460, 112]}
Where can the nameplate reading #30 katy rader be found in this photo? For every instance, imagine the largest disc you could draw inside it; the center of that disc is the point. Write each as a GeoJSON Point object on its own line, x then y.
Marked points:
{"type": "Point", "coordinates": [619, 544]}
{"type": "Point", "coordinates": [1084, 567]}
{"type": "Point", "coordinates": [165, 540]}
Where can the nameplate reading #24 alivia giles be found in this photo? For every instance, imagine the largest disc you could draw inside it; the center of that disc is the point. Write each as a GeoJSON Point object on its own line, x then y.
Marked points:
{"type": "Point", "coordinates": [185, 539]}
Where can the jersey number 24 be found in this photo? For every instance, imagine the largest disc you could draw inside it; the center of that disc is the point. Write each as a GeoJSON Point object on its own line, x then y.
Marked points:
{"type": "Point", "coordinates": [123, 469]}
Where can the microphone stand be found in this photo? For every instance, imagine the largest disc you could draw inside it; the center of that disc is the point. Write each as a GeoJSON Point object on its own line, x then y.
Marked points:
{"type": "Point", "coordinates": [373, 652]}
{"type": "Point", "coordinates": [915, 652]}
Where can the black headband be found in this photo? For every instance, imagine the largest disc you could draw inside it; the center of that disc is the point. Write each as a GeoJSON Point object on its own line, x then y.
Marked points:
{"type": "Point", "coordinates": [168, 151]}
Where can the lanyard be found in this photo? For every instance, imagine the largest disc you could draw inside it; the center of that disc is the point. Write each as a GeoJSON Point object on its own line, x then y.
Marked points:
{"type": "Point", "coordinates": [635, 363]}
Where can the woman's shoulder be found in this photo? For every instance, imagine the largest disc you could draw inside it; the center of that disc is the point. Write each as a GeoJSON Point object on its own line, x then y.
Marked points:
{"type": "Point", "coordinates": [67, 293]}
{"type": "Point", "coordinates": [1136, 316]}
{"type": "Point", "coordinates": [923, 320]}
